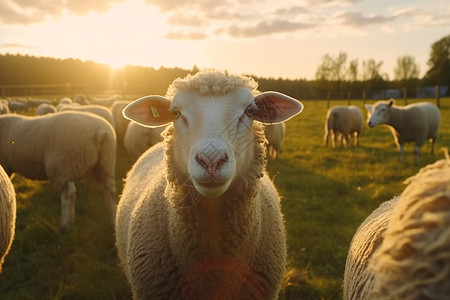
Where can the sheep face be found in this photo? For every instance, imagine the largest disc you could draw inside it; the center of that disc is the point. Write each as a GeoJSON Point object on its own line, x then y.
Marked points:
{"type": "Point", "coordinates": [379, 113]}
{"type": "Point", "coordinates": [213, 136]}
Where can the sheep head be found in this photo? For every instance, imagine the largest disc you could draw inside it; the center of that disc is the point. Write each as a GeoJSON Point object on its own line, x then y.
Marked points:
{"type": "Point", "coordinates": [378, 113]}
{"type": "Point", "coordinates": [213, 133]}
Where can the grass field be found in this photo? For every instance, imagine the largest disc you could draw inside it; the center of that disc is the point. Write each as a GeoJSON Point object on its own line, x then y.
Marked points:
{"type": "Point", "coordinates": [326, 194]}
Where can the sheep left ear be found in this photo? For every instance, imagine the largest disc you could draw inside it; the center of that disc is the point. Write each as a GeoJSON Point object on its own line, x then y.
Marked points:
{"type": "Point", "coordinates": [149, 111]}
{"type": "Point", "coordinates": [274, 107]}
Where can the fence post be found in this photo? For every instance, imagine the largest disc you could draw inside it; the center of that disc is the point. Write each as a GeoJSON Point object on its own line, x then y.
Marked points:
{"type": "Point", "coordinates": [438, 96]}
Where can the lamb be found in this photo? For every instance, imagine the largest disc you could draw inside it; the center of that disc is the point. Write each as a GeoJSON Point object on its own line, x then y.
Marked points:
{"type": "Point", "coordinates": [401, 251]}
{"type": "Point", "coordinates": [412, 123]}
{"type": "Point", "coordinates": [62, 148]}
{"type": "Point", "coordinates": [199, 217]}
{"type": "Point", "coordinates": [275, 136]}
{"type": "Point", "coordinates": [139, 138]}
{"type": "Point", "coordinates": [99, 110]}
{"type": "Point", "coordinates": [44, 109]}
{"type": "Point", "coordinates": [7, 215]}
{"type": "Point", "coordinates": [343, 121]}
{"type": "Point", "coordinates": [119, 120]}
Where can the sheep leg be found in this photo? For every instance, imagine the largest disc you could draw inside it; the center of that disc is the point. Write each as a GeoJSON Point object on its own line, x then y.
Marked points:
{"type": "Point", "coordinates": [416, 153]}
{"type": "Point", "coordinates": [356, 136]}
{"type": "Point", "coordinates": [327, 136]}
{"type": "Point", "coordinates": [400, 156]}
{"type": "Point", "coordinates": [68, 196]}
{"type": "Point", "coordinates": [109, 193]}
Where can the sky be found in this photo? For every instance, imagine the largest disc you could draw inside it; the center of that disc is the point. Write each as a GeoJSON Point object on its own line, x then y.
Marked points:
{"type": "Point", "coordinates": [267, 38]}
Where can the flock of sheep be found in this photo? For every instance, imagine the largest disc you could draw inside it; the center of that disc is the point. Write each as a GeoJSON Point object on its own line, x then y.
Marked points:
{"type": "Point", "coordinates": [199, 218]}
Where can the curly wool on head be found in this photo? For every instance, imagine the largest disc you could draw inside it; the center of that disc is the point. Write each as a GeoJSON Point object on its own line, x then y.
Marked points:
{"type": "Point", "coordinates": [414, 260]}
{"type": "Point", "coordinates": [211, 83]}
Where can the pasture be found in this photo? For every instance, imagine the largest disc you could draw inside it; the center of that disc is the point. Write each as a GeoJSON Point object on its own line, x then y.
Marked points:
{"type": "Point", "coordinates": [326, 193]}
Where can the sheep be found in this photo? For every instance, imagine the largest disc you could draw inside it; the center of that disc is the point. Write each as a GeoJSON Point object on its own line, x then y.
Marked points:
{"type": "Point", "coordinates": [275, 136]}
{"type": "Point", "coordinates": [4, 107]}
{"type": "Point", "coordinates": [107, 102]}
{"type": "Point", "coordinates": [412, 123]}
{"type": "Point", "coordinates": [7, 215]}
{"type": "Point", "coordinates": [401, 251]}
{"type": "Point", "coordinates": [139, 138]}
{"type": "Point", "coordinates": [343, 121]}
{"type": "Point", "coordinates": [44, 109]}
{"type": "Point", "coordinates": [119, 120]}
{"type": "Point", "coordinates": [199, 217]}
{"type": "Point", "coordinates": [81, 99]}
{"type": "Point", "coordinates": [62, 148]}
{"type": "Point", "coordinates": [99, 110]}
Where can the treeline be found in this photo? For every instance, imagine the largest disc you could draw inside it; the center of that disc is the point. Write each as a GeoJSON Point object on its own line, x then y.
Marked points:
{"type": "Point", "coordinates": [336, 77]}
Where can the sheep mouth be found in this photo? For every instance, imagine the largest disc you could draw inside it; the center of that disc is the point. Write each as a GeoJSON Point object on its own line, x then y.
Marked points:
{"type": "Point", "coordinates": [211, 189]}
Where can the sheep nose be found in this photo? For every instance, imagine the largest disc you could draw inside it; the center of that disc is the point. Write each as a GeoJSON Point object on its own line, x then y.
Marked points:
{"type": "Point", "coordinates": [211, 164]}
{"type": "Point", "coordinates": [370, 124]}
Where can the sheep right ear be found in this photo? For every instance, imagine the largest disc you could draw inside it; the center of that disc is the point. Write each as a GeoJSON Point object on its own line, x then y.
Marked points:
{"type": "Point", "coordinates": [391, 102]}
{"type": "Point", "coordinates": [369, 107]}
{"type": "Point", "coordinates": [149, 111]}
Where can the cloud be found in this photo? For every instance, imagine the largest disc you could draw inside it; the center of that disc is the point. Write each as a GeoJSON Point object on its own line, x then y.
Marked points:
{"type": "Point", "coordinates": [358, 19]}
{"type": "Point", "coordinates": [16, 46]}
{"type": "Point", "coordinates": [267, 28]}
{"type": "Point", "coordinates": [24, 12]}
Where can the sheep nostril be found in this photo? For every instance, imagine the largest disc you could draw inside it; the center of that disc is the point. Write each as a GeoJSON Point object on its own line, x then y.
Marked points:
{"type": "Point", "coordinates": [213, 164]}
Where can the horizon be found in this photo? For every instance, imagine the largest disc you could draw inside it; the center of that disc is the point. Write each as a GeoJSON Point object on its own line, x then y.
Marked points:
{"type": "Point", "coordinates": [270, 39]}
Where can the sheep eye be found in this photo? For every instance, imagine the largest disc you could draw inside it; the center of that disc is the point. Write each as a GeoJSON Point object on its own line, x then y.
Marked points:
{"type": "Point", "coordinates": [249, 111]}
{"type": "Point", "coordinates": [175, 113]}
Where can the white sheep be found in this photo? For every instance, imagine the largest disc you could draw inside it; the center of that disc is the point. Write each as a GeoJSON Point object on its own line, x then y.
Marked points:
{"type": "Point", "coordinates": [7, 215]}
{"type": "Point", "coordinates": [119, 120]}
{"type": "Point", "coordinates": [61, 147]}
{"type": "Point", "coordinates": [199, 217]}
{"type": "Point", "coordinates": [343, 121]}
{"type": "Point", "coordinates": [107, 102]}
{"type": "Point", "coordinates": [275, 136]}
{"type": "Point", "coordinates": [402, 250]}
{"type": "Point", "coordinates": [412, 123]}
{"type": "Point", "coordinates": [99, 110]}
{"type": "Point", "coordinates": [81, 99]}
{"type": "Point", "coordinates": [45, 108]}
{"type": "Point", "coordinates": [139, 138]}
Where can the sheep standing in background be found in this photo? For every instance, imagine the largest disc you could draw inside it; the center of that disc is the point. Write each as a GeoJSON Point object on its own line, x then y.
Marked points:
{"type": "Point", "coordinates": [7, 215]}
{"type": "Point", "coordinates": [62, 148]}
{"type": "Point", "coordinates": [81, 99]}
{"type": "Point", "coordinates": [107, 102]}
{"type": "Point", "coordinates": [275, 136]}
{"type": "Point", "coordinates": [44, 109]}
{"type": "Point", "coordinates": [4, 107]}
{"type": "Point", "coordinates": [139, 138]}
{"type": "Point", "coordinates": [343, 121]}
{"type": "Point", "coordinates": [412, 123]}
{"type": "Point", "coordinates": [99, 110]}
{"type": "Point", "coordinates": [119, 120]}
{"type": "Point", "coordinates": [401, 251]}
{"type": "Point", "coordinates": [199, 217]}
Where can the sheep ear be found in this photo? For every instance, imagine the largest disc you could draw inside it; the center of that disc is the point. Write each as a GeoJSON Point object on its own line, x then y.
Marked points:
{"type": "Point", "coordinates": [391, 102]}
{"type": "Point", "coordinates": [149, 111]}
{"type": "Point", "coordinates": [369, 107]}
{"type": "Point", "coordinates": [274, 107]}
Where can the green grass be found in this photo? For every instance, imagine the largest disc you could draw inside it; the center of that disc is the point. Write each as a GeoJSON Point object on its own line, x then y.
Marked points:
{"type": "Point", "coordinates": [326, 194]}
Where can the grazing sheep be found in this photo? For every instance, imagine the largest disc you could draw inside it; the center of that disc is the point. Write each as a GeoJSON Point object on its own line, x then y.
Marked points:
{"type": "Point", "coordinates": [4, 107]}
{"type": "Point", "coordinates": [402, 250]}
{"type": "Point", "coordinates": [275, 136]}
{"type": "Point", "coordinates": [44, 109]}
{"type": "Point", "coordinates": [343, 121]}
{"type": "Point", "coordinates": [412, 123]}
{"type": "Point", "coordinates": [139, 138]}
{"type": "Point", "coordinates": [62, 148]}
{"type": "Point", "coordinates": [7, 215]}
{"type": "Point", "coordinates": [81, 99]}
{"type": "Point", "coordinates": [199, 217]}
{"type": "Point", "coordinates": [99, 110]}
{"type": "Point", "coordinates": [119, 120]}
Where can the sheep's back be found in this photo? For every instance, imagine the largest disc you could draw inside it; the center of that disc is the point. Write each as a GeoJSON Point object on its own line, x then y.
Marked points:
{"type": "Point", "coordinates": [7, 214]}
{"type": "Point", "coordinates": [358, 278]}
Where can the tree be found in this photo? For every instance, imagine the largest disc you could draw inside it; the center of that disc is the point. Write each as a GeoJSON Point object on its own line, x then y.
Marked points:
{"type": "Point", "coordinates": [439, 63]}
{"type": "Point", "coordinates": [333, 69]}
{"type": "Point", "coordinates": [406, 73]}
{"type": "Point", "coordinates": [371, 76]}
